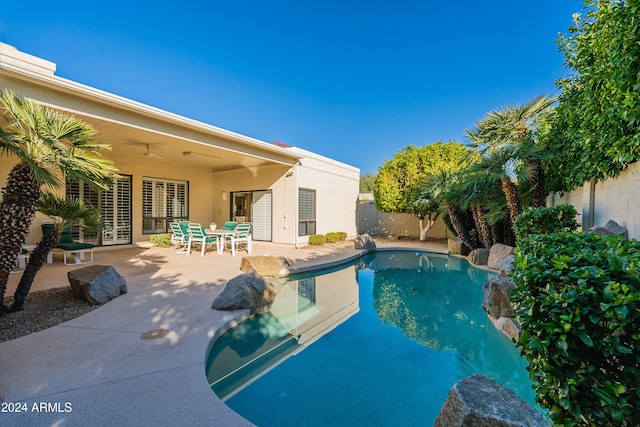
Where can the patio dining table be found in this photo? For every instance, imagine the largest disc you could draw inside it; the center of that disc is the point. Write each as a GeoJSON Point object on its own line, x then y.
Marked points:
{"type": "Point", "coordinates": [221, 237]}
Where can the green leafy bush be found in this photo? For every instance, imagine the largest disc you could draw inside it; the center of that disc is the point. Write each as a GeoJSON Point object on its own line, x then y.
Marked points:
{"type": "Point", "coordinates": [342, 235]}
{"type": "Point", "coordinates": [545, 221]}
{"type": "Point", "coordinates": [332, 237]}
{"type": "Point", "coordinates": [577, 299]}
{"type": "Point", "coordinates": [161, 240]}
{"type": "Point", "coordinates": [316, 239]}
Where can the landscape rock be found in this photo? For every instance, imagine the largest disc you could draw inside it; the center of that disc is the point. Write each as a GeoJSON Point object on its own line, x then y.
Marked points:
{"type": "Point", "coordinates": [508, 326]}
{"type": "Point", "coordinates": [506, 264]}
{"type": "Point", "coordinates": [478, 256]}
{"type": "Point", "coordinates": [97, 284]}
{"type": "Point", "coordinates": [480, 401]}
{"type": "Point", "coordinates": [611, 228]}
{"type": "Point", "coordinates": [496, 297]}
{"type": "Point", "coordinates": [364, 241]}
{"type": "Point", "coordinates": [497, 254]}
{"type": "Point", "coordinates": [266, 266]}
{"type": "Point", "coordinates": [247, 291]}
{"type": "Point", "coordinates": [456, 247]}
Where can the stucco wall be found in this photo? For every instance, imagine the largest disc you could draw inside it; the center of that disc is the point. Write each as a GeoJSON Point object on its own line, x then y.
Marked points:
{"type": "Point", "coordinates": [337, 188]}
{"type": "Point", "coordinates": [617, 199]}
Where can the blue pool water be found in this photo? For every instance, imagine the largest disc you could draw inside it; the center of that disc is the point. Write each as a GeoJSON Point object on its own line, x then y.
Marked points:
{"type": "Point", "coordinates": [377, 342]}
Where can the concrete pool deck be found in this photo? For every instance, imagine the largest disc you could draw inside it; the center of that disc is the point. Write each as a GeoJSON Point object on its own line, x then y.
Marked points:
{"type": "Point", "coordinates": [96, 370]}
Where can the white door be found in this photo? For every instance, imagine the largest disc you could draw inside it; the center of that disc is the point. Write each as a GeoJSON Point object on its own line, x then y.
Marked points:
{"type": "Point", "coordinates": [261, 215]}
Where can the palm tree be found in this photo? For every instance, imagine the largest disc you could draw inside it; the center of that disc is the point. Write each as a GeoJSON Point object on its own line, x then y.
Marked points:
{"type": "Point", "coordinates": [66, 212]}
{"type": "Point", "coordinates": [500, 165]}
{"type": "Point", "coordinates": [515, 126]}
{"type": "Point", "coordinates": [442, 190]}
{"type": "Point", "coordinates": [49, 145]}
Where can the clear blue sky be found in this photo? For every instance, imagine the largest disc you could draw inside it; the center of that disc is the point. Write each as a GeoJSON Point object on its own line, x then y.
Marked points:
{"type": "Point", "coordinates": [352, 80]}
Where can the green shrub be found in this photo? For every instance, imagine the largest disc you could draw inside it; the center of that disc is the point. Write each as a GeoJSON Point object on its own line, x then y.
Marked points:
{"type": "Point", "coordinates": [545, 221]}
{"type": "Point", "coordinates": [342, 234]}
{"type": "Point", "coordinates": [577, 299]}
{"type": "Point", "coordinates": [316, 239]}
{"type": "Point", "coordinates": [161, 240]}
{"type": "Point", "coordinates": [332, 237]}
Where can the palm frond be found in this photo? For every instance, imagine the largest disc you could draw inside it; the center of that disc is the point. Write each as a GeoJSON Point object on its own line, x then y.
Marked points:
{"type": "Point", "coordinates": [68, 212]}
{"type": "Point", "coordinates": [48, 141]}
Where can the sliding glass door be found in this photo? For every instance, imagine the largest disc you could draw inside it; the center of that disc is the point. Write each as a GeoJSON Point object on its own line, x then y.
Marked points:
{"type": "Point", "coordinates": [254, 207]}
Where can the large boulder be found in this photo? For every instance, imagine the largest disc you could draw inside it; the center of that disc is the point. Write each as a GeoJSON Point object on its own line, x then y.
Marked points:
{"type": "Point", "coordinates": [480, 401]}
{"type": "Point", "coordinates": [247, 291]}
{"type": "Point", "coordinates": [456, 247]}
{"type": "Point", "coordinates": [498, 306]}
{"type": "Point", "coordinates": [497, 254]}
{"type": "Point", "coordinates": [478, 256]}
{"type": "Point", "coordinates": [364, 241]}
{"type": "Point", "coordinates": [496, 296]}
{"type": "Point", "coordinates": [507, 326]}
{"type": "Point", "coordinates": [266, 266]}
{"type": "Point", "coordinates": [97, 284]}
{"type": "Point", "coordinates": [611, 228]}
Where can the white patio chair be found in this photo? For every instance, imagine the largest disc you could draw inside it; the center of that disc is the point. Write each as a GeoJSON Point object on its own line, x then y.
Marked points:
{"type": "Point", "coordinates": [198, 235]}
{"type": "Point", "coordinates": [242, 237]}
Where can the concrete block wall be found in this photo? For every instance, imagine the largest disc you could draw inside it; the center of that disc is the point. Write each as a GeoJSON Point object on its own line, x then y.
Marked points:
{"type": "Point", "coordinates": [374, 223]}
{"type": "Point", "coordinates": [616, 198]}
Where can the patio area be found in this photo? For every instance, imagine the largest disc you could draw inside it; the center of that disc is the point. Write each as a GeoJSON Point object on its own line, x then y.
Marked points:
{"type": "Point", "coordinates": [96, 369]}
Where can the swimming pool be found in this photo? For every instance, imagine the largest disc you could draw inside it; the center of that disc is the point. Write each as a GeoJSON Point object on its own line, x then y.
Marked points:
{"type": "Point", "coordinates": [379, 341]}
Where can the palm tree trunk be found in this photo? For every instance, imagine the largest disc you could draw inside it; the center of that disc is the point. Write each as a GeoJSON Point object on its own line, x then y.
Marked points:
{"type": "Point", "coordinates": [484, 230]}
{"type": "Point", "coordinates": [538, 182]}
{"type": "Point", "coordinates": [507, 233]}
{"type": "Point", "coordinates": [17, 210]}
{"type": "Point", "coordinates": [497, 232]}
{"type": "Point", "coordinates": [36, 261]}
{"type": "Point", "coordinates": [513, 200]}
{"type": "Point", "coordinates": [459, 228]}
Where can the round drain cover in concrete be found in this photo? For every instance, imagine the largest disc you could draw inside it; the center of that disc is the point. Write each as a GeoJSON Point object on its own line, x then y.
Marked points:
{"type": "Point", "coordinates": [156, 333]}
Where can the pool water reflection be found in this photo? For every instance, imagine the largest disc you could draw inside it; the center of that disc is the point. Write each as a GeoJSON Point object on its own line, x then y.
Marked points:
{"type": "Point", "coordinates": [377, 342]}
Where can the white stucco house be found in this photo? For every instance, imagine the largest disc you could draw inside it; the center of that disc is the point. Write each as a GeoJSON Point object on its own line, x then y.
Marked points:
{"type": "Point", "coordinates": [174, 168]}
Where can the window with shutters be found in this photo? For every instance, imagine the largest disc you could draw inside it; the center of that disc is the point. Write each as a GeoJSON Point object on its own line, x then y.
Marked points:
{"type": "Point", "coordinates": [163, 201]}
{"type": "Point", "coordinates": [306, 212]}
{"type": "Point", "coordinates": [114, 204]}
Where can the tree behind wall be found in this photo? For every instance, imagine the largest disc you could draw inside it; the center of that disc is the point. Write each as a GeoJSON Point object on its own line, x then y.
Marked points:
{"type": "Point", "coordinates": [367, 182]}
{"type": "Point", "coordinates": [399, 183]}
{"type": "Point", "coordinates": [596, 128]}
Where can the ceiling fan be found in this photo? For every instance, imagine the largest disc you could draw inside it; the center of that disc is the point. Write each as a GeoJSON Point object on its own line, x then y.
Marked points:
{"type": "Point", "coordinates": [150, 154]}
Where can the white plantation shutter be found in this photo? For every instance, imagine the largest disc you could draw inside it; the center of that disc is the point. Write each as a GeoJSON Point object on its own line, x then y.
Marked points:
{"type": "Point", "coordinates": [163, 201]}
{"type": "Point", "coordinates": [114, 205]}
{"type": "Point", "coordinates": [262, 214]}
{"type": "Point", "coordinates": [123, 211]}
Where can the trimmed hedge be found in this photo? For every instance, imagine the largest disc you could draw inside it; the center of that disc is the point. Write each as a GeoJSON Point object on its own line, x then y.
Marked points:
{"type": "Point", "coordinates": [577, 299]}
{"type": "Point", "coordinates": [332, 237]}
{"type": "Point", "coordinates": [316, 239]}
{"type": "Point", "coordinates": [545, 221]}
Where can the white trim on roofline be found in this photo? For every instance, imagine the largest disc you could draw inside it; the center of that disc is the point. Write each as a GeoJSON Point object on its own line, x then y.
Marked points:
{"type": "Point", "coordinates": [27, 67]}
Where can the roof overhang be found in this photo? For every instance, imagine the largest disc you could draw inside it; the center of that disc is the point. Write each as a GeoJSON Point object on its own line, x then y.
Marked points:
{"type": "Point", "coordinates": [133, 127]}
